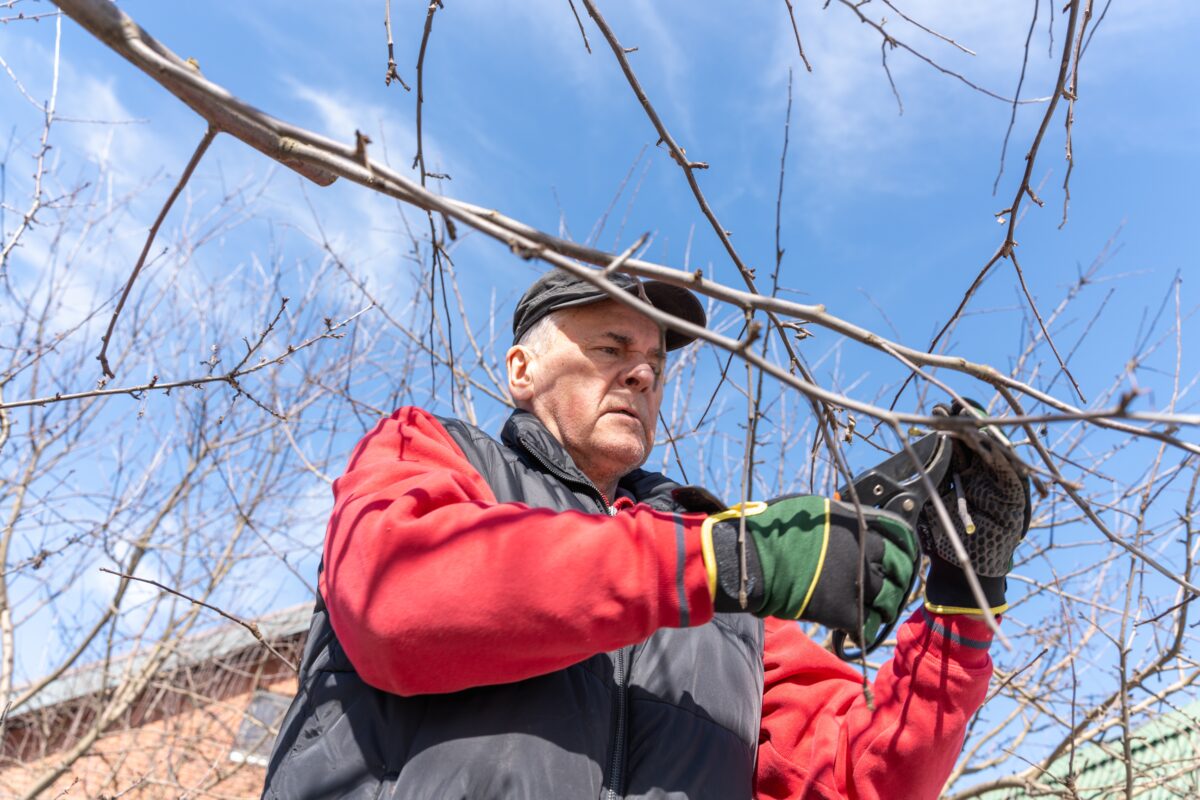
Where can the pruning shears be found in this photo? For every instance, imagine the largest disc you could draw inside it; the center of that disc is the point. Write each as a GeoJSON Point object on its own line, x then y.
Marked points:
{"type": "Point", "coordinates": [897, 485]}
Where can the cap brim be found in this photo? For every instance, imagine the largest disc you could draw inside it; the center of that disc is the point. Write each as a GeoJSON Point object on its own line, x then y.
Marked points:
{"type": "Point", "coordinates": [558, 290]}
{"type": "Point", "coordinates": [678, 302]}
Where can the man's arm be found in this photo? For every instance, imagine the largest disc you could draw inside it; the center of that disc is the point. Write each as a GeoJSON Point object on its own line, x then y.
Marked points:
{"type": "Point", "coordinates": [819, 738]}
{"type": "Point", "coordinates": [433, 586]}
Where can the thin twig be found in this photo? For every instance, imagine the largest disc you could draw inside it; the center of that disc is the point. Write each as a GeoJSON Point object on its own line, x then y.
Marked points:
{"type": "Point", "coordinates": [618, 262]}
{"type": "Point", "coordinates": [1099, 19]}
{"type": "Point", "coordinates": [282, 417]}
{"type": "Point", "coordinates": [1072, 94]}
{"type": "Point", "coordinates": [1012, 119]}
{"type": "Point", "coordinates": [927, 29]}
{"type": "Point", "coordinates": [419, 158]}
{"type": "Point", "coordinates": [1045, 333]}
{"type": "Point", "coordinates": [594, 236]}
{"type": "Point", "coordinates": [250, 626]}
{"type": "Point", "coordinates": [5, 422]}
{"type": "Point", "coordinates": [787, 126]}
{"type": "Point", "coordinates": [205, 141]}
{"type": "Point", "coordinates": [712, 398]}
{"type": "Point", "coordinates": [796, 30]}
{"type": "Point", "coordinates": [883, 48]}
{"type": "Point", "coordinates": [671, 440]}
{"type": "Point", "coordinates": [752, 400]}
{"type": "Point", "coordinates": [679, 155]}
{"type": "Point", "coordinates": [1000, 687]}
{"type": "Point", "coordinates": [579, 22]}
{"type": "Point", "coordinates": [39, 173]}
{"type": "Point", "coordinates": [154, 384]}
{"type": "Point", "coordinates": [392, 74]}
{"type": "Point", "coordinates": [437, 272]}
{"type": "Point", "coordinates": [855, 6]}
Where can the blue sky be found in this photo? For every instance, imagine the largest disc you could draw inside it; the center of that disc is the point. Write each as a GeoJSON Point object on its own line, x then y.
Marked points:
{"type": "Point", "coordinates": [518, 113]}
{"type": "Point", "coordinates": [895, 206]}
{"type": "Point", "coordinates": [886, 216]}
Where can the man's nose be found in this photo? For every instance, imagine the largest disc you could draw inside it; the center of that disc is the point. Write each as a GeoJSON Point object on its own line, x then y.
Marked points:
{"type": "Point", "coordinates": [640, 376]}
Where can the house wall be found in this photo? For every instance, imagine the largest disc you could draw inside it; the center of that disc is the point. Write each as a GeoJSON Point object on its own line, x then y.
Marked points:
{"type": "Point", "coordinates": [174, 740]}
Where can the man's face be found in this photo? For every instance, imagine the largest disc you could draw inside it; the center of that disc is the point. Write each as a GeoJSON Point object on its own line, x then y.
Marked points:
{"type": "Point", "coordinates": [597, 386]}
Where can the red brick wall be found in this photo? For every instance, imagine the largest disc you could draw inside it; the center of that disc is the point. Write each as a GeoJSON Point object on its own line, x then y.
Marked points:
{"type": "Point", "coordinates": [175, 740]}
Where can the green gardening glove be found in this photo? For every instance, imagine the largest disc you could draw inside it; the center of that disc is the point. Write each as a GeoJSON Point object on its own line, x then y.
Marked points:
{"type": "Point", "coordinates": [802, 558]}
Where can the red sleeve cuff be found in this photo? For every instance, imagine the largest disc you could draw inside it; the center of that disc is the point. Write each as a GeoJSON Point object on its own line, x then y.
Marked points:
{"type": "Point", "coordinates": [965, 638]}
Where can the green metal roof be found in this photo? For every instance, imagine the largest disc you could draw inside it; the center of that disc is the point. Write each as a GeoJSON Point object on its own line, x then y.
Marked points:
{"type": "Point", "coordinates": [1166, 758]}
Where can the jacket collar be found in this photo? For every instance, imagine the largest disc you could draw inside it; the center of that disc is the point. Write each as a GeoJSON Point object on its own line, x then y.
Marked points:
{"type": "Point", "coordinates": [524, 431]}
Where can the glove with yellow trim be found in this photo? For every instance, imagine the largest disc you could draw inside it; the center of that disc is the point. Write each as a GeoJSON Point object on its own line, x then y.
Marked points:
{"type": "Point", "coordinates": [986, 494]}
{"type": "Point", "coordinates": [802, 557]}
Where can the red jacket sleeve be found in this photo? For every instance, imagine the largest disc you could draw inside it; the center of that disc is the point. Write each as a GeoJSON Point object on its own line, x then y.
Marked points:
{"type": "Point", "coordinates": [433, 586]}
{"type": "Point", "coordinates": [820, 740]}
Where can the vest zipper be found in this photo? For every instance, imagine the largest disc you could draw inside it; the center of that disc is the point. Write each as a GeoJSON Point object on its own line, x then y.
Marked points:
{"type": "Point", "coordinates": [619, 678]}
{"type": "Point", "coordinates": [618, 750]}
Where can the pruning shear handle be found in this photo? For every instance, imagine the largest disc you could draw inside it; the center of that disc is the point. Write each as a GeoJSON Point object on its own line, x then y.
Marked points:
{"type": "Point", "coordinates": [898, 485]}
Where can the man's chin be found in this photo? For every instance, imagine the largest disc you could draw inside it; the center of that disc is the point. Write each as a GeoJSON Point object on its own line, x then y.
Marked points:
{"type": "Point", "coordinates": [629, 452]}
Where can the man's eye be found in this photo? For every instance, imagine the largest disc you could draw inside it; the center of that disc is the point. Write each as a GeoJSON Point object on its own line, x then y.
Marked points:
{"type": "Point", "coordinates": [608, 351]}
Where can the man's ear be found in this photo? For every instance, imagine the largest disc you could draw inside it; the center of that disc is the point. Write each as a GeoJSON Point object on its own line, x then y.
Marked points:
{"type": "Point", "coordinates": [519, 362]}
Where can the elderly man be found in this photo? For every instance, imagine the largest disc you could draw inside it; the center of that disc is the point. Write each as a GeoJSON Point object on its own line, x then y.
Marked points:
{"type": "Point", "coordinates": [537, 617]}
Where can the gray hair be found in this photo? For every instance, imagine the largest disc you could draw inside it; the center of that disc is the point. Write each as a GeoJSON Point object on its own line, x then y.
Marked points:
{"type": "Point", "coordinates": [539, 336]}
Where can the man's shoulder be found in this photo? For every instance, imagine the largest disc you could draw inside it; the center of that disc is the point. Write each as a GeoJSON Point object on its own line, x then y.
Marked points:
{"type": "Point", "coordinates": [485, 452]}
{"type": "Point", "coordinates": [410, 424]}
{"type": "Point", "coordinates": [462, 431]}
{"type": "Point", "coordinates": [471, 439]}
{"type": "Point", "coordinates": [416, 417]}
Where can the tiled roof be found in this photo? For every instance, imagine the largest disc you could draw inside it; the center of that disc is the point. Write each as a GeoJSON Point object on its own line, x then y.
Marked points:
{"type": "Point", "coordinates": [216, 642]}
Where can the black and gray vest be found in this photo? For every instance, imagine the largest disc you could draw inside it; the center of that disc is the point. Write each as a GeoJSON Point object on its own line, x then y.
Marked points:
{"type": "Point", "coordinates": [674, 716]}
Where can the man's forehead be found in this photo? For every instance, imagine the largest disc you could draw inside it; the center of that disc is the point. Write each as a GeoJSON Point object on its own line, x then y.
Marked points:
{"type": "Point", "coordinates": [611, 317]}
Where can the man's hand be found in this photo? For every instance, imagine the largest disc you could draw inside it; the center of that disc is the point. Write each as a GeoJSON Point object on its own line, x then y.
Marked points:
{"type": "Point", "coordinates": [986, 495]}
{"type": "Point", "coordinates": [802, 561]}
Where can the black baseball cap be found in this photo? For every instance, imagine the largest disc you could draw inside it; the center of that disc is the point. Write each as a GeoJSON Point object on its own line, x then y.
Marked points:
{"type": "Point", "coordinates": [560, 289]}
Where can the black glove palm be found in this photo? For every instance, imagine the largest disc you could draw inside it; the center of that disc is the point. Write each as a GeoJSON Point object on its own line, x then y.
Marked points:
{"type": "Point", "coordinates": [986, 495]}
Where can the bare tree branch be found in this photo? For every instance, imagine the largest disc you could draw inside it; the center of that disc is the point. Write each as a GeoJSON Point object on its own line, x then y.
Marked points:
{"type": "Point", "coordinates": [252, 627]}
{"type": "Point", "coordinates": [205, 141]}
